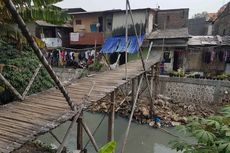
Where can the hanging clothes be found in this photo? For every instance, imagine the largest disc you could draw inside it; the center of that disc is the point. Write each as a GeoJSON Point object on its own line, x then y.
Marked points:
{"type": "Point", "coordinates": [221, 56]}
{"type": "Point", "coordinates": [207, 57]}
{"type": "Point", "coordinates": [213, 54]}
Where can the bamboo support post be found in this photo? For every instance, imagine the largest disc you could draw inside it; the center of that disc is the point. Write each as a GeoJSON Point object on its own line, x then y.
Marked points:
{"type": "Point", "coordinates": [143, 63]}
{"type": "Point", "coordinates": [31, 81]}
{"type": "Point", "coordinates": [133, 90]}
{"type": "Point", "coordinates": [7, 83]}
{"type": "Point", "coordinates": [55, 137]}
{"type": "Point", "coordinates": [79, 134]}
{"type": "Point", "coordinates": [90, 136]}
{"type": "Point", "coordinates": [60, 148]}
{"type": "Point", "coordinates": [131, 115]}
{"type": "Point", "coordinates": [111, 118]}
{"type": "Point", "coordinates": [22, 26]}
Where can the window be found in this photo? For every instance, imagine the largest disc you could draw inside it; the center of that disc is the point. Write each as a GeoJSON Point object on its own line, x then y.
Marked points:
{"type": "Point", "coordinates": [78, 21]}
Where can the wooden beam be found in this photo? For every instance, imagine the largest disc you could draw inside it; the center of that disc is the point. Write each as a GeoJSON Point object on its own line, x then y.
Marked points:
{"type": "Point", "coordinates": [55, 137]}
{"type": "Point", "coordinates": [60, 148]}
{"type": "Point", "coordinates": [31, 81]}
{"type": "Point", "coordinates": [133, 89]}
{"type": "Point", "coordinates": [7, 83]}
{"type": "Point", "coordinates": [90, 136]}
{"type": "Point", "coordinates": [79, 134]}
{"type": "Point", "coordinates": [111, 118]}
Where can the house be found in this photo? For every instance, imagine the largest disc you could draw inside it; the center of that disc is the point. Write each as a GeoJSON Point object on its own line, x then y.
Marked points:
{"type": "Point", "coordinates": [90, 28]}
{"type": "Point", "coordinates": [208, 54]}
{"type": "Point", "coordinates": [172, 18]}
{"type": "Point", "coordinates": [53, 35]}
{"type": "Point", "coordinates": [173, 44]}
{"type": "Point", "coordinates": [222, 22]}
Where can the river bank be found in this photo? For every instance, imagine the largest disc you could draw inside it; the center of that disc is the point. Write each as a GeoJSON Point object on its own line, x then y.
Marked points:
{"type": "Point", "coordinates": [168, 112]}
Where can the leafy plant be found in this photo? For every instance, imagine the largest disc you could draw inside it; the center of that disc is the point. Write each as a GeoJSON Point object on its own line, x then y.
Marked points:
{"type": "Point", "coordinates": [26, 63]}
{"type": "Point", "coordinates": [212, 134]}
{"type": "Point", "coordinates": [96, 66]}
{"type": "Point", "coordinates": [108, 148]}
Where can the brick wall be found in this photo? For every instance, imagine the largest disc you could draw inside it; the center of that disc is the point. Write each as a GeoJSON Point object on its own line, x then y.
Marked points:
{"type": "Point", "coordinates": [222, 24]}
{"type": "Point", "coordinates": [177, 18]}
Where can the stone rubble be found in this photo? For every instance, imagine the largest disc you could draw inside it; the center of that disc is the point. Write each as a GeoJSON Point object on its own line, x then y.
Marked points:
{"type": "Point", "coordinates": [170, 112]}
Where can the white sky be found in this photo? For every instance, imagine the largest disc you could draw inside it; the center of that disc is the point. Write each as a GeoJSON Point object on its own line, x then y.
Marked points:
{"type": "Point", "coordinates": [195, 6]}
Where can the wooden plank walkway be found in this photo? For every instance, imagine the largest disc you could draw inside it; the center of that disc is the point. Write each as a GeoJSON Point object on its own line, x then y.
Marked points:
{"type": "Point", "coordinates": [21, 122]}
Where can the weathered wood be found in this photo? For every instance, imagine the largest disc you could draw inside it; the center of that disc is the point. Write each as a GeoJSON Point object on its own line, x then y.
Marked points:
{"type": "Point", "coordinates": [55, 137]}
{"type": "Point", "coordinates": [90, 136]}
{"type": "Point", "coordinates": [60, 148]}
{"type": "Point", "coordinates": [79, 134]}
{"type": "Point", "coordinates": [7, 83]}
{"type": "Point", "coordinates": [31, 81]}
{"type": "Point", "coordinates": [111, 118]}
{"type": "Point", "coordinates": [44, 111]}
{"type": "Point", "coordinates": [131, 116]}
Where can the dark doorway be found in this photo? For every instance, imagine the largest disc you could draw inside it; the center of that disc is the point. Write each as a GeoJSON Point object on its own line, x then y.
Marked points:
{"type": "Point", "coordinates": [178, 59]}
{"type": "Point", "coordinates": [100, 20]}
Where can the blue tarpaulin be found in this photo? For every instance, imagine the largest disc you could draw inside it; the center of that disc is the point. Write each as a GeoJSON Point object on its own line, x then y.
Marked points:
{"type": "Point", "coordinates": [117, 44]}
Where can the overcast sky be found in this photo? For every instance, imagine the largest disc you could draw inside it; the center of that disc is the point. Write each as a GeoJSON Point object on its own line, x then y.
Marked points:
{"type": "Point", "coordinates": [195, 6]}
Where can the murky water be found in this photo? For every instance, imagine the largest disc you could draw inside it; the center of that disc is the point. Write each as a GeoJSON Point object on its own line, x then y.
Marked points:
{"type": "Point", "coordinates": [142, 138]}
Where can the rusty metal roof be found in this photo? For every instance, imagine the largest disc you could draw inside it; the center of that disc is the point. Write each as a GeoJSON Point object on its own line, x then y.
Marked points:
{"type": "Point", "coordinates": [169, 34]}
{"type": "Point", "coordinates": [209, 41]}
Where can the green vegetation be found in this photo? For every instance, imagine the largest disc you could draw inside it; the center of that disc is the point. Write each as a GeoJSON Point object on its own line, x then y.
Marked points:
{"type": "Point", "coordinates": [96, 66]}
{"type": "Point", "coordinates": [212, 134]}
{"type": "Point", "coordinates": [24, 64]}
{"type": "Point", "coordinates": [108, 148]}
{"type": "Point", "coordinates": [178, 73]}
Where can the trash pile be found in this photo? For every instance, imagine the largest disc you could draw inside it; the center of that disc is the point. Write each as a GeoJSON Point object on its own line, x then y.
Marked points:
{"type": "Point", "coordinates": [167, 112]}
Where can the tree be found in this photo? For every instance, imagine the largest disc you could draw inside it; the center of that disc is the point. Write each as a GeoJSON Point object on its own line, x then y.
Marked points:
{"type": "Point", "coordinates": [212, 134]}
{"type": "Point", "coordinates": [30, 10]}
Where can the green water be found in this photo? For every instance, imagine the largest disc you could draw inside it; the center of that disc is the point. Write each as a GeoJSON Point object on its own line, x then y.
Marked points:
{"type": "Point", "coordinates": [142, 138]}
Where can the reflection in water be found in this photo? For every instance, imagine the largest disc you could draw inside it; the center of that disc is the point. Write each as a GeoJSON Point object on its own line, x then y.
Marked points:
{"type": "Point", "coordinates": [142, 139]}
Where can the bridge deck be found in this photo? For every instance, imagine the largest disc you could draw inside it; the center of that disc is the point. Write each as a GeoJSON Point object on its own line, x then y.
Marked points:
{"type": "Point", "coordinates": [21, 122]}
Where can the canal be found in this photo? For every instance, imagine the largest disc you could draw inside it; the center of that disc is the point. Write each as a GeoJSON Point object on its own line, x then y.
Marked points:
{"type": "Point", "coordinates": [142, 138]}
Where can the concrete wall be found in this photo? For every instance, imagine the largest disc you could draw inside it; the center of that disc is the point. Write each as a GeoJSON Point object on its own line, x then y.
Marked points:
{"type": "Point", "coordinates": [175, 18]}
{"type": "Point", "coordinates": [86, 21]}
{"type": "Point", "coordinates": [198, 91]}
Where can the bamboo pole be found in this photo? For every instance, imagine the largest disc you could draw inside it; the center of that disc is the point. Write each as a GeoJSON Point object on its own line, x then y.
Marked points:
{"type": "Point", "coordinates": [152, 112]}
{"type": "Point", "coordinates": [126, 41]}
{"type": "Point", "coordinates": [55, 137]}
{"type": "Point", "coordinates": [16, 93]}
{"type": "Point", "coordinates": [22, 26]}
{"type": "Point", "coordinates": [31, 81]}
{"type": "Point", "coordinates": [90, 136]}
{"type": "Point", "coordinates": [131, 116]}
{"type": "Point", "coordinates": [79, 134]}
{"type": "Point", "coordinates": [60, 148]}
{"type": "Point", "coordinates": [133, 90]}
{"type": "Point", "coordinates": [111, 118]}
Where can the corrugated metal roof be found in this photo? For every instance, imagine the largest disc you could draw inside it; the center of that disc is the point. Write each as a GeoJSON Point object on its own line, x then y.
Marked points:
{"type": "Point", "coordinates": [209, 41]}
{"type": "Point", "coordinates": [169, 34]}
{"type": "Point", "coordinates": [46, 24]}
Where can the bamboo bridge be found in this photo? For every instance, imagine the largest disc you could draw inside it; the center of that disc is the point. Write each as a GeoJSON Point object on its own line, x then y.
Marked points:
{"type": "Point", "coordinates": [22, 121]}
